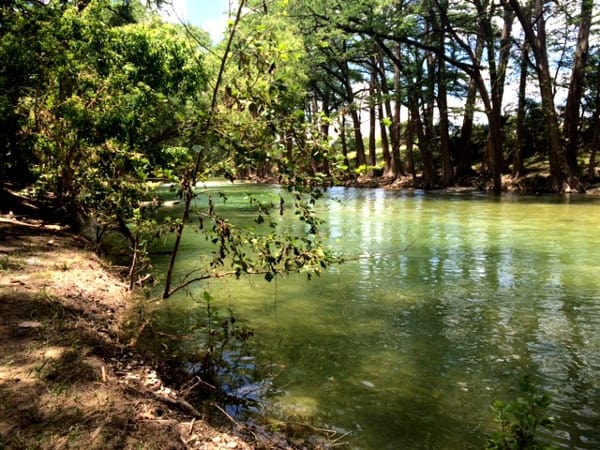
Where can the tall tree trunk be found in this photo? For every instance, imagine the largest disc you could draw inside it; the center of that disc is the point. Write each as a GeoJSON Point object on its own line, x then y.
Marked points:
{"type": "Point", "coordinates": [571, 125]}
{"type": "Point", "coordinates": [389, 171]}
{"type": "Point", "coordinates": [563, 178]}
{"type": "Point", "coordinates": [427, 139]}
{"type": "Point", "coordinates": [596, 135]}
{"type": "Point", "coordinates": [492, 163]}
{"type": "Point", "coordinates": [361, 158]}
{"type": "Point", "coordinates": [397, 165]}
{"type": "Point", "coordinates": [442, 102]}
{"type": "Point", "coordinates": [395, 55]}
{"type": "Point", "coordinates": [497, 70]}
{"type": "Point", "coordinates": [595, 146]}
{"type": "Point", "coordinates": [372, 118]}
{"type": "Point", "coordinates": [424, 142]}
{"type": "Point", "coordinates": [358, 137]}
{"type": "Point", "coordinates": [344, 142]}
{"type": "Point", "coordinates": [466, 133]}
{"type": "Point", "coordinates": [410, 139]}
{"type": "Point", "coordinates": [439, 37]}
{"type": "Point", "coordinates": [385, 144]}
{"type": "Point", "coordinates": [518, 167]}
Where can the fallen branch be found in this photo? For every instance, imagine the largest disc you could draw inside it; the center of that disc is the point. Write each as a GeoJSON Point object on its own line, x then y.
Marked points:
{"type": "Point", "coordinates": [236, 423]}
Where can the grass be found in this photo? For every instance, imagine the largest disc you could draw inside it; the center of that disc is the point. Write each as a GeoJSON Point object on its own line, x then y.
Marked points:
{"type": "Point", "coordinates": [7, 263]}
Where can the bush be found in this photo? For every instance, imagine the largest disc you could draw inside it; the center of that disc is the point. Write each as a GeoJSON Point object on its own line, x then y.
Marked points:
{"type": "Point", "coordinates": [520, 420]}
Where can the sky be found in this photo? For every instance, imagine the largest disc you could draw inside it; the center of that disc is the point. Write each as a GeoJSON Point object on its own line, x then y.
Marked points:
{"type": "Point", "coordinates": [210, 15]}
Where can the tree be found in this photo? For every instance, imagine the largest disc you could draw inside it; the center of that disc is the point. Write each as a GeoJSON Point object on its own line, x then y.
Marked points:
{"type": "Point", "coordinates": [112, 98]}
{"type": "Point", "coordinates": [564, 179]}
{"type": "Point", "coordinates": [572, 109]}
{"type": "Point", "coordinates": [391, 165]}
{"type": "Point", "coordinates": [99, 95]}
{"type": "Point", "coordinates": [373, 103]}
{"type": "Point", "coordinates": [518, 167]}
{"type": "Point", "coordinates": [394, 165]}
{"type": "Point", "coordinates": [21, 69]}
{"type": "Point", "coordinates": [442, 100]}
{"type": "Point", "coordinates": [464, 167]}
{"type": "Point", "coordinates": [255, 99]}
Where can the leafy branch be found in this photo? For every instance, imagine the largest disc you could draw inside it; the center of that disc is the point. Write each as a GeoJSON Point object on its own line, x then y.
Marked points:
{"type": "Point", "coordinates": [520, 420]}
{"type": "Point", "coordinates": [237, 251]}
{"type": "Point", "coordinates": [187, 185]}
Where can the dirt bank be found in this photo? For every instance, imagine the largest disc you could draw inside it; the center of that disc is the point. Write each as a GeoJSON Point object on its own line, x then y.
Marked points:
{"type": "Point", "coordinates": [68, 380]}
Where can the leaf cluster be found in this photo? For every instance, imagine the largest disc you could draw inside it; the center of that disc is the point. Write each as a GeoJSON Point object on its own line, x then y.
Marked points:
{"type": "Point", "coordinates": [106, 101]}
{"type": "Point", "coordinates": [521, 419]}
{"type": "Point", "coordinates": [268, 249]}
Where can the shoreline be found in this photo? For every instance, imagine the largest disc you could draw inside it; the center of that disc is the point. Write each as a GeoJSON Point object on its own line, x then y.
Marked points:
{"type": "Point", "coordinates": [69, 378]}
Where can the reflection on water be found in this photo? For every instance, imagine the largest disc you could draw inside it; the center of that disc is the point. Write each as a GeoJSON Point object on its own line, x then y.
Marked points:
{"type": "Point", "coordinates": [445, 303]}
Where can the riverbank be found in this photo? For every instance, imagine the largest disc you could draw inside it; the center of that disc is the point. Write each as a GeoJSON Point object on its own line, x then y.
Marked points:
{"type": "Point", "coordinates": [69, 378]}
{"type": "Point", "coordinates": [532, 183]}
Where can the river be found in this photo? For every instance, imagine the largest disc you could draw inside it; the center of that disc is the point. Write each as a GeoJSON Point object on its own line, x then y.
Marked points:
{"type": "Point", "coordinates": [445, 303]}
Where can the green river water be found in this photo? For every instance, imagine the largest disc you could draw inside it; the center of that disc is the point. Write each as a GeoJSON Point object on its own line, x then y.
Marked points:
{"type": "Point", "coordinates": [446, 303]}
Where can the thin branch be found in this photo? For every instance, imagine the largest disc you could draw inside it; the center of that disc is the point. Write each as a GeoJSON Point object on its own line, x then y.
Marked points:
{"type": "Point", "coordinates": [216, 276]}
{"type": "Point", "coordinates": [189, 195]}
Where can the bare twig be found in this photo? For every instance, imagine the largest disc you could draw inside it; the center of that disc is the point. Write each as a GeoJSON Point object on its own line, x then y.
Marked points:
{"type": "Point", "coordinates": [235, 422]}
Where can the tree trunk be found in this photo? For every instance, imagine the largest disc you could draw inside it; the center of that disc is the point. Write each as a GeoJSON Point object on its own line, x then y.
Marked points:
{"type": "Point", "coordinates": [596, 135]}
{"type": "Point", "coordinates": [595, 145]}
{"type": "Point", "coordinates": [385, 145]}
{"type": "Point", "coordinates": [439, 68]}
{"type": "Point", "coordinates": [442, 101]}
{"type": "Point", "coordinates": [571, 125]}
{"type": "Point", "coordinates": [563, 179]}
{"type": "Point", "coordinates": [492, 163]}
{"type": "Point", "coordinates": [426, 130]}
{"type": "Point", "coordinates": [360, 146]}
{"type": "Point", "coordinates": [410, 138]}
{"type": "Point", "coordinates": [424, 142]}
{"type": "Point", "coordinates": [518, 167]}
{"type": "Point", "coordinates": [389, 170]}
{"type": "Point", "coordinates": [361, 159]}
{"type": "Point", "coordinates": [464, 151]}
{"type": "Point", "coordinates": [188, 199]}
{"type": "Point", "coordinates": [497, 68]}
{"type": "Point", "coordinates": [397, 165]}
{"type": "Point", "coordinates": [372, 120]}
{"type": "Point", "coordinates": [344, 143]}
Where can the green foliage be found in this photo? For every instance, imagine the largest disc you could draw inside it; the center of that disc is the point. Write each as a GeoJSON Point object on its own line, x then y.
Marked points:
{"type": "Point", "coordinates": [365, 169]}
{"type": "Point", "coordinates": [109, 95]}
{"type": "Point", "coordinates": [267, 249]}
{"type": "Point", "coordinates": [260, 124]}
{"type": "Point", "coordinates": [21, 69]}
{"type": "Point", "coordinates": [520, 420]}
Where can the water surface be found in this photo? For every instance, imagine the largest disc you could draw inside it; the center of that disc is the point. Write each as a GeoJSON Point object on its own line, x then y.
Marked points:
{"type": "Point", "coordinates": [444, 303]}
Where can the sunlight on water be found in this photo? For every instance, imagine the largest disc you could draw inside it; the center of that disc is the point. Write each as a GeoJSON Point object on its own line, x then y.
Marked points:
{"type": "Point", "coordinates": [445, 303]}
